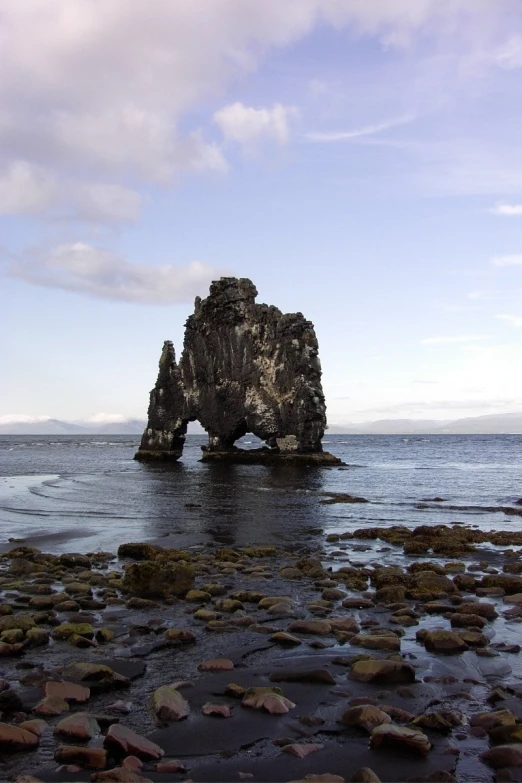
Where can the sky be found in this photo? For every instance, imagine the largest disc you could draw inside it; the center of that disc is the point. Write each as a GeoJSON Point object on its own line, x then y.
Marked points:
{"type": "Point", "coordinates": [359, 160]}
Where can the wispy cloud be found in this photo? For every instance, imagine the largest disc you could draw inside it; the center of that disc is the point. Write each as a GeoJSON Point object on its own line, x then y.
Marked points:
{"type": "Point", "coordinates": [508, 210]}
{"type": "Point", "coordinates": [515, 320]}
{"type": "Point", "coordinates": [356, 133]}
{"type": "Point", "coordinates": [455, 339]}
{"type": "Point", "coordinates": [103, 274]}
{"type": "Point", "coordinates": [511, 260]}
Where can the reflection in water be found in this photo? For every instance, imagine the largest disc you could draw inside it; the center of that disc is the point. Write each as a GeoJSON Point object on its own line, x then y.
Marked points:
{"type": "Point", "coordinates": [90, 495]}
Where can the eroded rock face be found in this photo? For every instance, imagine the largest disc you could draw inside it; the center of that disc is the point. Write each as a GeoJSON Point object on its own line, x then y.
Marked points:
{"type": "Point", "coordinates": [245, 367]}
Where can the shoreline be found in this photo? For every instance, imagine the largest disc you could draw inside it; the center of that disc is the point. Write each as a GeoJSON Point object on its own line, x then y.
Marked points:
{"type": "Point", "coordinates": [359, 600]}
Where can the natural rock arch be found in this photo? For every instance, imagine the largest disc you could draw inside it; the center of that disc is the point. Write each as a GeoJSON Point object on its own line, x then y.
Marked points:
{"type": "Point", "coordinates": [245, 367]}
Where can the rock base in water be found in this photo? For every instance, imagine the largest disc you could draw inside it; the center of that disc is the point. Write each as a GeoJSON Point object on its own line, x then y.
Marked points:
{"type": "Point", "coordinates": [269, 457]}
{"type": "Point", "coordinates": [143, 455]}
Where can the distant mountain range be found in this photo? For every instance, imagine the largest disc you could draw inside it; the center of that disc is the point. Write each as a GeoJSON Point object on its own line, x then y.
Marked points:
{"type": "Point", "coordinates": [508, 423]}
{"type": "Point", "coordinates": [57, 427]}
{"type": "Point", "coordinates": [493, 424]}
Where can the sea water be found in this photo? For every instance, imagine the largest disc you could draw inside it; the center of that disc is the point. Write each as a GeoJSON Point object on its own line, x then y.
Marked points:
{"type": "Point", "coordinates": [70, 493]}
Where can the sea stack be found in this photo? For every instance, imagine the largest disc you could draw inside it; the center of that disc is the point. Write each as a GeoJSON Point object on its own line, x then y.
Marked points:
{"type": "Point", "coordinates": [245, 367]}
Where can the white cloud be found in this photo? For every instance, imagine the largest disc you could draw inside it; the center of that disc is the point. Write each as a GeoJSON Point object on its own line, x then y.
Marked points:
{"type": "Point", "coordinates": [112, 87]}
{"type": "Point", "coordinates": [365, 130]}
{"type": "Point", "coordinates": [515, 320]}
{"type": "Point", "coordinates": [508, 210]}
{"type": "Point", "coordinates": [21, 418]}
{"type": "Point", "coordinates": [107, 418]}
{"type": "Point", "coordinates": [102, 273]}
{"type": "Point", "coordinates": [247, 125]}
{"type": "Point", "coordinates": [512, 260]}
{"type": "Point", "coordinates": [27, 189]}
{"type": "Point", "coordinates": [463, 338]}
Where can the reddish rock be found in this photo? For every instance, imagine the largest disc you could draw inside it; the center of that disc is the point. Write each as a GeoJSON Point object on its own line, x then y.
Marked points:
{"type": "Point", "coordinates": [132, 743]}
{"type": "Point", "coordinates": [400, 737]}
{"type": "Point", "coordinates": [282, 637]}
{"type": "Point", "coordinates": [220, 710]}
{"type": "Point", "coordinates": [216, 665]}
{"type": "Point", "coordinates": [80, 726]}
{"type": "Point", "coordinates": [51, 706]}
{"type": "Point", "coordinates": [366, 717]}
{"type": "Point", "coordinates": [382, 671]}
{"type": "Point", "coordinates": [133, 763]}
{"type": "Point", "coordinates": [90, 758]}
{"type": "Point", "coordinates": [173, 765]}
{"type": "Point", "coordinates": [15, 738]}
{"type": "Point", "coordinates": [37, 726]}
{"type": "Point", "coordinates": [69, 691]}
{"type": "Point", "coordinates": [269, 699]}
{"type": "Point", "coordinates": [503, 756]}
{"type": "Point", "coordinates": [320, 627]}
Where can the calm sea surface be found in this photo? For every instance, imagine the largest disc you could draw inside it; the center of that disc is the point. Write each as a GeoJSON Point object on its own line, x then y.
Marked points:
{"type": "Point", "coordinates": [69, 493]}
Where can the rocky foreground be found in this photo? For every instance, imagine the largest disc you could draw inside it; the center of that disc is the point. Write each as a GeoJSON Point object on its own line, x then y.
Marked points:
{"type": "Point", "coordinates": [264, 665]}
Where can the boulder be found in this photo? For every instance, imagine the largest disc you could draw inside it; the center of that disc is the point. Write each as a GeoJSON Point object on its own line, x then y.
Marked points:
{"type": "Point", "coordinates": [126, 740]}
{"type": "Point", "coordinates": [376, 641]}
{"type": "Point", "coordinates": [446, 642]}
{"type": "Point", "coordinates": [503, 756]}
{"type": "Point", "coordinates": [382, 671]}
{"type": "Point", "coordinates": [318, 627]}
{"type": "Point", "coordinates": [269, 699]}
{"type": "Point", "coordinates": [168, 704]}
{"type": "Point", "coordinates": [158, 578]}
{"type": "Point", "coordinates": [400, 737]}
{"type": "Point", "coordinates": [90, 758]}
{"type": "Point", "coordinates": [79, 726]}
{"type": "Point", "coordinates": [14, 738]}
{"type": "Point", "coordinates": [491, 720]}
{"type": "Point", "coordinates": [96, 673]}
{"type": "Point", "coordinates": [366, 717]}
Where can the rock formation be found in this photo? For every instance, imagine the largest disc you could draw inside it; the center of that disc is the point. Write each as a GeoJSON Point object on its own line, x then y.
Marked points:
{"type": "Point", "coordinates": [245, 367]}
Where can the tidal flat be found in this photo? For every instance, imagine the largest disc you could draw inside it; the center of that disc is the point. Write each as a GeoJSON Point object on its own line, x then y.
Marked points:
{"type": "Point", "coordinates": [266, 663]}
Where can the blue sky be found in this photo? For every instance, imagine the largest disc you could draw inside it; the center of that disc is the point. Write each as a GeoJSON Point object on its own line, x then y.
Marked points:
{"type": "Point", "coordinates": [359, 160]}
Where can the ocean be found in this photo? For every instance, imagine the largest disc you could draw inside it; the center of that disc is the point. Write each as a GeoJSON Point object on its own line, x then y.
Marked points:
{"type": "Point", "coordinates": [83, 494]}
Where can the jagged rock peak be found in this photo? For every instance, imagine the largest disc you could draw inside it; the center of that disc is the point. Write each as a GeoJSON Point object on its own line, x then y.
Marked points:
{"type": "Point", "coordinates": [245, 367]}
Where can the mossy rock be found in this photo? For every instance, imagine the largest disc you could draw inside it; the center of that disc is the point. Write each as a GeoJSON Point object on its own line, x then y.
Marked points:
{"type": "Point", "coordinates": [158, 578]}
{"type": "Point", "coordinates": [12, 636]}
{"type": "Point", "coordinates": [417, 546]}
{"type": "Point", "coordinates": [390, 576]}
{"type": "Point", "coordinates": [198, 596]}
{"type": "Point", "coordinates": [104, 635]}
{"type": "Point", "coordinates": [228, 605]}
{"type": "Point", "coordinates": [260, 551]}
{"type": "Point", "coordinates": [37, 637]}
{"type": "Point", "coordinates": [66, 630]}
{"type": "Point", "coordinates": [138, 551]}
{"type": "Point", "coordinates": [10, 621]}
{"type": "Point", "coordinates": [391, 594]}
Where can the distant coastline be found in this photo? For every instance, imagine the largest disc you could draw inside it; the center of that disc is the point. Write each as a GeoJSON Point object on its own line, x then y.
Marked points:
{"type": "Point", "coordinates": [494, 424]}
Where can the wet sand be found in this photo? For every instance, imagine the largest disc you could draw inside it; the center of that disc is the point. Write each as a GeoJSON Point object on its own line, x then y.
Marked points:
{"type": "Point", "coordinates": [481, 677]}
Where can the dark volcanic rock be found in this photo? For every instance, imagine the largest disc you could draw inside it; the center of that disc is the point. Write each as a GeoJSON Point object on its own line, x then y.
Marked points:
{"type": "Point", "coordinates": [245, 367]}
